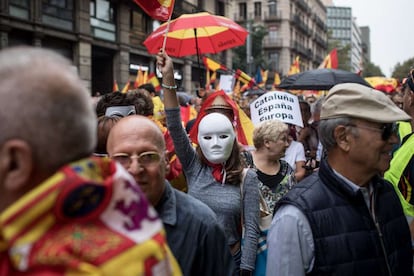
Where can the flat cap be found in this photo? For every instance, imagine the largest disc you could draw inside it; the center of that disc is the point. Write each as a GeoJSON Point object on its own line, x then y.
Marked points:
{"type": "Point", "coordinates": [359, 101]}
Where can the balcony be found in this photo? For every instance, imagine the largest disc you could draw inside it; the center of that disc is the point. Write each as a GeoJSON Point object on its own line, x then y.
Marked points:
{"type": "Point", "coordinates": [182, 7]}
{"type": "Point", "coordinates": [273, 17]}
{"type": "Point", "coordinates": [269, 43]}
{"type": "Point", "coordinates": [301, 25]}
{"type": "Point", "coordinates": [321, 42]}
{"type": "Point", "coordinates": [240, 18]}
{"type": "Point", "coordinates": [302, 5]}
{"type": "Point", "coordinates": [320, 23]}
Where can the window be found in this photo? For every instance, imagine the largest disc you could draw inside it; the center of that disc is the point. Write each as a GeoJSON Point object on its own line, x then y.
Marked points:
{"type": "Point", "coordinates": [242, 11]}
{"type": "Point", "coordinates": [273, 34]}
{"type": "Point", "coordinates": [257, 9]}
{"type": "Point", "coordinates": [58, 13]}
{"type": "Point", "coordinates": [103, 19]}
{"type": "Point", "coordinates": [274, 61]}
{"type": "Point", "coordinates": [140, 26]}
{"type": "Point", "coordinates": [272, 7]}
{"type": "Point", "coordinates": [19, 8]}
{"type": "Point", "coordinates": [139, 21]}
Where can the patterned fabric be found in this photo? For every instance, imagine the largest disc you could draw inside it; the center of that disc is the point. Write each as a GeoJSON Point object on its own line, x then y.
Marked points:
{"type": "Point", "coordinates": [88, 218]}
{"type": "Point", "coordinates": [274, 187]}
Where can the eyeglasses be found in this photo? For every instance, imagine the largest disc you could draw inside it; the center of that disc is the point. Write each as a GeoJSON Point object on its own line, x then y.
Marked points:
{"type": "Point", "coordinates": [386, 129]}
{"type": "Point", "coordinates": [144, 159]}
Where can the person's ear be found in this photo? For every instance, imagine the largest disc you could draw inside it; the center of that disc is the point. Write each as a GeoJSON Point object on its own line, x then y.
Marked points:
{"type": "Point", "coordinates": [16, 165]}
{"type": "Point", "coordinates": [266, 143]}
{"type": "Point", "coordinates": [341, 135]}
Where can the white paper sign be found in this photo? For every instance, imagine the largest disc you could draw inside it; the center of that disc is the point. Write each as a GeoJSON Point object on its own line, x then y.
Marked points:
{"type": "Point", "coordinates": [278, 105]}
{"type": "Point", "coordinates": [226, 83]}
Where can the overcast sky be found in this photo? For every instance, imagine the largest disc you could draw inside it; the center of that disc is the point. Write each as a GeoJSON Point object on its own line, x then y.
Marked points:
{"type": "Point", "coordinates": [391, 24]}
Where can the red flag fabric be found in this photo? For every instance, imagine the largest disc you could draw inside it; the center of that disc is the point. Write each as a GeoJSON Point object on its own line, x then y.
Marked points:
{"type": "Point", "coordinates": [126, 87]}
{"type": "Point", "coordinates": [244, 78]}
{"type": "Point", "coordinates": [145, 77]}
{"type": "Point", "coordinates": [276, 81]}
{"type": "Point", "coordinates": [157, 9]}
{"type": "Point", "coordinates": [152, 78]}
{"type": "Point", "coordinates": [139, 78]}
{"type": "Point", "coordinates": [331, 60]}
{"type": "Point", "coordinates": [213, 65]}
{"type": "Point", "coordinates": [115, 87]}
{"type": "Point", "coordinates": [295, 67]}
{"type": "Point", "coordinates": [383, 84]}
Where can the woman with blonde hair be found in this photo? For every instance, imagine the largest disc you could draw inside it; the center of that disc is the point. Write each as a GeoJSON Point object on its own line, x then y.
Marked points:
{"type": "Point", "coordinates": [277, 177]}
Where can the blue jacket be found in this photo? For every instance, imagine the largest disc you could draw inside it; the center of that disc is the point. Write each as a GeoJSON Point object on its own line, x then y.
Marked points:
{"type": "Point", "coordinates": [194, 235]}
{"type": "Point", "coordinates": [347, 239]}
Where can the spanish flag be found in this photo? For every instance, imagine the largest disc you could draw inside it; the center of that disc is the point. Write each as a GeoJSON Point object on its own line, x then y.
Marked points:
{"type": "Point", "coordinates": [330, 61]}
{"type": "Point", "coordinates": [139, 78]}
{"type": "Point", "coordinates": [126, 87]}
{"type": "Point", "coordinates": [295, 67]}
{"type": "Point", "coordinates": [152, 78]}
{"type": "Point", "coordinates": [115, 87]}
{"type": "Point", "coordinates": [276, 81]}
{"type": "Point", "coordinates": [244, 78]}
{"type": "Point", "coordinates": [145, 77]}
{"type": "Point", "coordinates": [213, 65]}
{"type": "Point", "coordinates": [157, 9]}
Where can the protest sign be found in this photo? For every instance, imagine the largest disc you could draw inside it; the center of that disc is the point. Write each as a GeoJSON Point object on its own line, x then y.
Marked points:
{"type": "Point", "coordinates": [226, 83]}
{"type": "Point", "coordinates": [278, 105]}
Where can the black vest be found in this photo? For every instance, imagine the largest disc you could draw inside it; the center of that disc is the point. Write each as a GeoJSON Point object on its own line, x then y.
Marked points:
{"type": "Point", "coordinates": [346, 238]}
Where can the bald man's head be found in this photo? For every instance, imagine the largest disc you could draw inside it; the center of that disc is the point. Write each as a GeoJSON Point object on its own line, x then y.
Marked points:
{"type": "Point", "coordinates": [138, 144]}
{"type": "Point", "coordinates": [139, 125]}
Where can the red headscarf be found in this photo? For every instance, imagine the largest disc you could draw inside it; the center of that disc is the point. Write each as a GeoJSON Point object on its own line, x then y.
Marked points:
{"type": "Point", "coordinates": [208, 104]}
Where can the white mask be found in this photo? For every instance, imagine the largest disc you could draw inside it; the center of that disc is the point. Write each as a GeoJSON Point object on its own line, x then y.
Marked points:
{"type": "Point", "coordinates": [216, 137]}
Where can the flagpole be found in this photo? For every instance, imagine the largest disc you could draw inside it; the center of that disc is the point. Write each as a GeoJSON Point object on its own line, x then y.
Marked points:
{"type": "Point", "coordinates": [166, 31]}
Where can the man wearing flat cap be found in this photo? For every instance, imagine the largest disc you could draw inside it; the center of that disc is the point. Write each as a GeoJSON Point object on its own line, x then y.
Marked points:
{"type": "Point", "coordinates": [346, 219]}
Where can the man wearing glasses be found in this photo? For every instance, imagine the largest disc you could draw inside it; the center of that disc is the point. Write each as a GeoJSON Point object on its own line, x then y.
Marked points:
{"type": "Point", "coordinates": [401, 170]}
{"type": "Point", "coordinates": [345, 219]}
{"type": "Point", "coordinates": [193, 233]}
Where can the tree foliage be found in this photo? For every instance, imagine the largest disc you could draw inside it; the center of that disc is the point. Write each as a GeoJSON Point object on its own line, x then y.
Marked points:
{"type": "Point", "coordinates": [239, 54]}
{"type": "Point", "coordinates": [372, 70]}
{"type": "Point", "coordinates": [401, 70]}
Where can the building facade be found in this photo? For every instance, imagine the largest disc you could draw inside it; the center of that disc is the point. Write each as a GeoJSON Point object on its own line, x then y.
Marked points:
{"type": "Point", "coordinates": [366, 43]}
{"type": "Point", "coordinates": [344, 29]}
{"type": "Point", "coordinates": [294, 28]}
{"type": "Point", "coordinates": [103, 38]}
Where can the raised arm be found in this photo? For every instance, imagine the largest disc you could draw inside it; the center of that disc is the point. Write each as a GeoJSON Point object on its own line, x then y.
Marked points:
{"type": "Point", "coordinates": [165, 65]}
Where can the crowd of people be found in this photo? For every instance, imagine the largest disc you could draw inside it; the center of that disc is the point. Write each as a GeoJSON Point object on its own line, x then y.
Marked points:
{"type": "Point", "coordinates": [136, 184]}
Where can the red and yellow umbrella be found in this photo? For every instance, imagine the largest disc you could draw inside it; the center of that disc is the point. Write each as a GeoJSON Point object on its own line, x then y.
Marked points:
{"type": "Point", "coordinates": [198, 33]}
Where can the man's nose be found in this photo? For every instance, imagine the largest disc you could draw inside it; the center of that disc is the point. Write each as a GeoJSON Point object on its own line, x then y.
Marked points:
{"type": "Point", "coordinates": [135, 167]}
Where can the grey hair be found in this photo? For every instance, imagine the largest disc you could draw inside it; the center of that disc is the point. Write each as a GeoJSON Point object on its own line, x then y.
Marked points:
{"type": "Point", "coordinates": [326, 130]}
{"type": "Point", "coordinates": [268, 130]}
{"type": "Point", "coordinates": [44, 103]}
